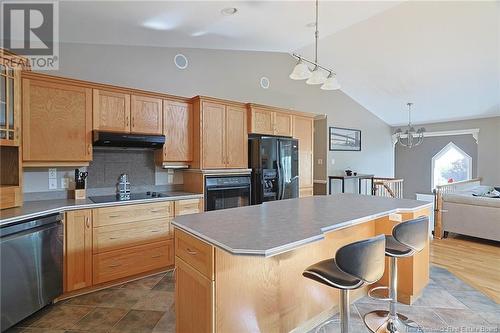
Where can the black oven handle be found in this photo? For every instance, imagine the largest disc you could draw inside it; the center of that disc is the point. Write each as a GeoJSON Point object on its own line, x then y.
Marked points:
{"type": "Point", "coordinates": [216, 188]}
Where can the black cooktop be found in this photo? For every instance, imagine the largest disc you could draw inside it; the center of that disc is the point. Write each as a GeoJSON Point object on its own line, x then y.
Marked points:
{"type": "Point", "coordinates": [133, 196]}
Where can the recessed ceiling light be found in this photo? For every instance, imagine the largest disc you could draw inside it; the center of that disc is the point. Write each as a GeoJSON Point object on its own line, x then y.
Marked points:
{"type": "Point", "coordinates": [229, 11]}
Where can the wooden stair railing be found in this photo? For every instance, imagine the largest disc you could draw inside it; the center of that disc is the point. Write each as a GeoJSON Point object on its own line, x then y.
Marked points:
{"type": "Point", "coordinates": [388, 187]}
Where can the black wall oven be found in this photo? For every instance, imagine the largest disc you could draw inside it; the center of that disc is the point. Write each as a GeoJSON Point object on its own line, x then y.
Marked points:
{"type": "Point", "coordinates": [223, 192]}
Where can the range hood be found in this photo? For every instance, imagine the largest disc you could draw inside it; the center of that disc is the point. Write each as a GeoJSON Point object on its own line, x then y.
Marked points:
{"type": "Point", "coordinates": [124, 140]}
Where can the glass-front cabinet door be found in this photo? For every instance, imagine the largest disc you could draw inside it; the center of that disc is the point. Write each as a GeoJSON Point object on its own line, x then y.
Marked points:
{"type": "Point", "coordinates": [9, 105]}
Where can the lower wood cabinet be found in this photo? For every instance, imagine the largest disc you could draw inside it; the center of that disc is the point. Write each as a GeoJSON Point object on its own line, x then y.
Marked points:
{"type": "Point", "coordinates": [194, 300]}
{"type": "Point", "coordinates": [190, 206]}
{"type": "Point", "coordinates": [111, 243]}
{"type": "Point", "coordinates": [118, 264]}
{"type": "Point", "coordinates": [78, 249]}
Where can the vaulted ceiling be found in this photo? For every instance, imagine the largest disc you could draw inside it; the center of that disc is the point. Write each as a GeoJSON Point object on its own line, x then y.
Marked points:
{"type": "Point", "coordinates": [443, 56]}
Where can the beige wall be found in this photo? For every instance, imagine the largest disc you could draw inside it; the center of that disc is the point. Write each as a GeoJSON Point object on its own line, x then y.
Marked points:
{"type": "Point", "coordinates": [233, 75]}
{"type": "Point", "coordinates": [488, 147]}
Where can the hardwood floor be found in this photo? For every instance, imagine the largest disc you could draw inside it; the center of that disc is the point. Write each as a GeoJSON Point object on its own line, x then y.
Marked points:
{"type": "Point", "coordinates": [473, 260]}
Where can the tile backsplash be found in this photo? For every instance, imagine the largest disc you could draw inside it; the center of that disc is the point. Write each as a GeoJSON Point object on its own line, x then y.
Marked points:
{"type": "Point", "coordinates": [104, 170]}
{"type": "Point", "coordinates": [108, 165]}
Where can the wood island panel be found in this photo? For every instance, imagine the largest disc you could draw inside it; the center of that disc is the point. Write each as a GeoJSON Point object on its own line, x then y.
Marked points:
{"type": "Point", "coordinates": [255, 293]}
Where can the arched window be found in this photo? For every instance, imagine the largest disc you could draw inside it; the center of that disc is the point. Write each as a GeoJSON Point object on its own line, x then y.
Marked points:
{"type": "Point", "coordinates": [450, 165]}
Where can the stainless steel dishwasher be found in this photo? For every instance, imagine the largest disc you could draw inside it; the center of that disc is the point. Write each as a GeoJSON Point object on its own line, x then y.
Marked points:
{"type": "Point", "coordinates": [31, 256]}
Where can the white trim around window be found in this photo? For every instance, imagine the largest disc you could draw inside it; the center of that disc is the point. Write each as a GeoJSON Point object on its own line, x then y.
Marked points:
{"type": "Point", "coordinates": [442, 152]}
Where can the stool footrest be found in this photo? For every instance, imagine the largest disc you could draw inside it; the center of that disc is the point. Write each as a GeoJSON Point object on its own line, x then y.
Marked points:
{"type": "Point", "coordinates": [372, 294]}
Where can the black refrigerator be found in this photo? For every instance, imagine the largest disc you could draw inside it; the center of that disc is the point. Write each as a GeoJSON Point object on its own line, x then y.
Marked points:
{"type": "Point", "coordinates": [275, 168]}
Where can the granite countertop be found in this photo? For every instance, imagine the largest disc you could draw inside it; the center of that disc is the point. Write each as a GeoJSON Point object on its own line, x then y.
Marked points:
{"type": "Point", "coordinates": [31, 209]}
{"type": "Point", "coordinates": [280, 226]}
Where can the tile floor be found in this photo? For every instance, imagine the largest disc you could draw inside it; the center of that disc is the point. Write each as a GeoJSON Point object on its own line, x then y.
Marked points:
{"type": "Point", "coordinates": [147, 305]}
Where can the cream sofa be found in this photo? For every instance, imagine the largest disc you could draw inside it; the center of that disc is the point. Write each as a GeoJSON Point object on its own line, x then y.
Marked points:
{"type": "Point", "coordinates": [471, 215]}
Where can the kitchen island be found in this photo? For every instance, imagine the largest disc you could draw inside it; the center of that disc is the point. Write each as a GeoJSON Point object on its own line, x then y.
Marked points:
{"type": "Point", "coordinates": [240, 270]}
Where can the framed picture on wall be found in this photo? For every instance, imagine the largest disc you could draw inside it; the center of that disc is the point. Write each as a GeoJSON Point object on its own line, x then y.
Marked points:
{"type": "Point", "coordinates": [345, 139]}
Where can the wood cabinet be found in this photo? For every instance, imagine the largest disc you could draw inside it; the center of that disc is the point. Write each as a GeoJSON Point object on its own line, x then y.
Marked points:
{"type": "Point", "coordinates": [109, 244]}
{"type": "Point", "coordinates": [78, 249]}
{"type": "Point", "coordinates": [189, 206]}
{"type": "Point", "coordinates": [221, 130]}
{"type": "Point", "coordinates": [282, 124]}
{"type": "Point", "coordinates": [111, 111]}
{"type": "Point", "coordinates": [131, 239]}
{"type": "Point", "coordinates": [268, 121]}
{"type": "Point", "coordinates": [57, 122]}
{"type": "Point", "coordinates": [146, 115]}
{"type": "Point", "coordinates": [178, 130]}
{"type": "Point", "coordinates": [126, 262]}
{"type": "Point", "coordinates": [194, 300]}
{"type": "Point", "coordinates": [236, 137]}
{"type": "Point", "coordinates": [10, 105]}
{"type": "Point", "coordinates": [128, 113]}
{"type": "Point", "coordinates": [303, 130]}
{"type": "Point", "coordinates": [10, 129]}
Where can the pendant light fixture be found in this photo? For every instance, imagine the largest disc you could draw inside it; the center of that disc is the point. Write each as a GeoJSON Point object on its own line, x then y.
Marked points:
{"type": "Point", "coordinates": [410, 137]}
{"type": "Point", "coordinates": [301, 71]}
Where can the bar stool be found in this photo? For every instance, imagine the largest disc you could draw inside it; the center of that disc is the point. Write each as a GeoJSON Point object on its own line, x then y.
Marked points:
{"type": "Point", "coordinates": [407, 238]}
{"type": "Point", "coordinates": [355, 265]}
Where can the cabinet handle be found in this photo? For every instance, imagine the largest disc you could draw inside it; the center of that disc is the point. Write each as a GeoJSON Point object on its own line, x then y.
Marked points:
{"type": "Point", "coordinates": [156, 210]}
{"type": "Point", "coordinates": [114, 237]}
{"type": "Point", "coordinates": [112, 216]}
{"type": "Point", "coordinates": [156, 256]}
{"type": "Point", "coordinates": [87, 222]}
{"type": "Point", "coordinates": [133, 121]}
{"type": "Point", "coordinates": [89, 149]}
{"type": "Point", "coordinates": [114, 265]}
{"type": "Point", "coordinates": [126, 121]}
{"type": "Point", "coordinates": [17, 133]}
{"type": "Point", "coordinates": [155, 231]}
{"type": "Point", "coordinates": [191, 252]}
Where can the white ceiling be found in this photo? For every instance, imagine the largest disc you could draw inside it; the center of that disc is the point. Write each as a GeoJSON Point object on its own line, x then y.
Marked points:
{"type": "Point", "coordinates": [443, 56]}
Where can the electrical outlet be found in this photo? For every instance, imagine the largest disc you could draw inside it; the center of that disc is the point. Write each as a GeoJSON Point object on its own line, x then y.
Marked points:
{"type": "Point", "coordinates": [52, 184]}
{"type": "Point", "coordinates": [52, 173]}
{"type": "Point", "coordinates": [64, 182]}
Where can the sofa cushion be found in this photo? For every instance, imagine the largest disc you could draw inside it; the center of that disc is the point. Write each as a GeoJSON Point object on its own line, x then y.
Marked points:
{"type": "Point", "coordinates": [468, 199]}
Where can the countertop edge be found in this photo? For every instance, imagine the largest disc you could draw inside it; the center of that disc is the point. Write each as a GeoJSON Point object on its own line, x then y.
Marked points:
{"type": "Point", "coordinates": [77, 206]}
{"type": "Point", "coordinates": [294, 245]}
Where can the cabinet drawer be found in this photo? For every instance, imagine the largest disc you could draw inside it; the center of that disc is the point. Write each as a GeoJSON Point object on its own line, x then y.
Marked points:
{"type": "Point", "coordinates": [195, 252]}
{"type": "Point", "coordinates": [138, 259]}
{"type": "Point", "coordinates": [184, 207]}
{"type": "Point", "coordinates": [119, 236]}
{"type": "Point", "coordinates": [132, 213]}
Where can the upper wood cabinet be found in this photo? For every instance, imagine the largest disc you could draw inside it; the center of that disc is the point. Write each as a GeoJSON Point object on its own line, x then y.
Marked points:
{"type": "Point", "coordinates": [78, 249]}
{"type": "Point", "coordinates": [111, 111]}
{"type": "Point", "coordinates": [282, 124]}
{"type": "Point", "coordinates": [121, 112]}
{"type": "Point", "coordinates": [269, 121]}
{"type": "Point", "coordinates": [146, 115]}
{"type": "Point", "coordinates": [57, 122]}
{"type": "Point", "coordinates": [261, 121]}
{"type": "Point", "coordinates": [236, 137]}
{"type": "Point", "coordinates": [221, 129]}
{"type": "Point", "coordinates": [303, 130]}
{"type": "Point", "coordinates": [10, 105]}
{"type": "Point", "coordinates": [178, 131]}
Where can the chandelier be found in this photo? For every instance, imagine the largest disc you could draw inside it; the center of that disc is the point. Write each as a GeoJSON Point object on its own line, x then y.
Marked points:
{"type": "Point", "coordinates": [320, 74]}
{"type": "Point", "coordinates": [409, 138]}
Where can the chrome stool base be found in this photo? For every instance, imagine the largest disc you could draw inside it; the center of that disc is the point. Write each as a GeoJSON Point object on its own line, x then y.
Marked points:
{"type": "Point", "coordinates": [320, 328]}
{"type": "Point", "coordinates": [380, 322]}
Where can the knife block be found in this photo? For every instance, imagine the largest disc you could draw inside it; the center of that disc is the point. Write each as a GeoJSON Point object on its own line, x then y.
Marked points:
{"type": "Point", "coordinates": [78, 194]}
